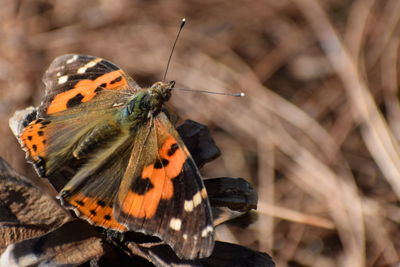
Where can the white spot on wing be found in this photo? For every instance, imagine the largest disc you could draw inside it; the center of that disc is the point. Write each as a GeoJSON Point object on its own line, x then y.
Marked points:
{"type": "Point", "coordinates": [72, 59]}
{"type": "Point", "coordinates": [92, 63]}
{"type": "Point", "coordinates": [88, 65]}
{"type": "Point", "coordinates": [58, 74]}
{"type": "Point", "coordinates": [62, 79]}
{"type": "Point", "coordinates": [207, 230]}
{"type": "Point", "coordinates": [185, 236]}
{"type": "Point", "coordinates": [82, 69]}
{"type": "Point", "coordinates": [204, 193]}
{"type": "Point", "coordinates": [196, 199]}
{"type": "Point", "coordinates": [188, 205]}
{"type": "Point", "coordinates": [175, 224]}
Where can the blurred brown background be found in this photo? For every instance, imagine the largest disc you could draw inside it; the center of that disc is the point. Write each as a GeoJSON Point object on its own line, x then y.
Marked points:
{"type": "Point", "coordinates": [317, 133]}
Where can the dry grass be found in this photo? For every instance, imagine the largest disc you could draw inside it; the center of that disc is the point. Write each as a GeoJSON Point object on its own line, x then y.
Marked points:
{"type": "Point", "coordinates": [317, 132]}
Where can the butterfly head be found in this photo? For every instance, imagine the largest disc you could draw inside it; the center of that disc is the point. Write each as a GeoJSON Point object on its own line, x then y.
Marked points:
{"type": "Point", "coordinates": [161, 91]}
{"type": "Point", "coordinates": [148, 102]}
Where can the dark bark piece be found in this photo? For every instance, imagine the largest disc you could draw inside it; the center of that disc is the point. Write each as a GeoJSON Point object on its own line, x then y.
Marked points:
{"type": "Point", "coordinates": [234, 193]}
{"type": "Point", "coordinates": [25, 212]}
{"type": "Point", "coordinates": [159, 254]}
{"type": "Point", "coordinates": [224, 254]}
{"type": "Point", "coordinates": [11, 233]}
{"type": "Point", "coordinates": [73, 243]}
{"type": "Point", "coordinates": [199, 142]}
{"type": "Point", "coordinates": [6, 215]}
{"type": "Point", "coordinates": [230, 198]}
{"type": "Point", "coordinates": [117, 257]}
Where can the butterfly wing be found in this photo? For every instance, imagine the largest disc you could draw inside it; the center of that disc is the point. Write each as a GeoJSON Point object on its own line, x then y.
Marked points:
{"type": "Point", "coordinates": [81, 93]}
{"type": "Point", "coordinates": [93, 189]}
{"type": "Point", "coordinates": [162, 193]}
{"type": "Point", "coordinates": [75, 79]}
{"type": "Point", "coordinates": [91, 192]}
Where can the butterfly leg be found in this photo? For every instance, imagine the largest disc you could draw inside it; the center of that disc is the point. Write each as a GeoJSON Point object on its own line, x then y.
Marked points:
{"type": "Point", "coordinates": [98, 137]}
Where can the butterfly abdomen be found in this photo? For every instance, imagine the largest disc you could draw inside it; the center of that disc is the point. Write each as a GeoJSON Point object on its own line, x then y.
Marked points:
{"type": "Point", "coordinates": [97, 138]}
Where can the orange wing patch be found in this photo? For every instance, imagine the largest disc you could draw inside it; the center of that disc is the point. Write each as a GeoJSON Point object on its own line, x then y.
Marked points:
{"type": "Point", "coordinates": [34, 139]}
{"type": "Point", "coordinates": [85, 90]}
{"type": "Point", "coordinates": [96, 211]}
{"type": "Point", "coordinates": [155, 182]}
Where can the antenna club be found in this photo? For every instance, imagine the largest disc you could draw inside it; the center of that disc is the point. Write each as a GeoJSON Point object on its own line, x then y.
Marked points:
{"type": "Point", "coordinates": [242, 94]}
{"type": "Point", "coordinates": [183, 23]}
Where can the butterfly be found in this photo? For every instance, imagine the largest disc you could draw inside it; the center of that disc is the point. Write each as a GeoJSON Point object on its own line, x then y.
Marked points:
{"type": "Point", "coordinates": [131, 170]}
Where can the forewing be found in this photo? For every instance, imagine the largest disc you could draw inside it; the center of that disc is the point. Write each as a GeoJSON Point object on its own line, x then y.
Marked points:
{"type": "Point", "coordinates": [81, 93]}
{"type": "Point", "coordinates": [162, 193]}
{"type": "Point", "coordinates": [75, 79]}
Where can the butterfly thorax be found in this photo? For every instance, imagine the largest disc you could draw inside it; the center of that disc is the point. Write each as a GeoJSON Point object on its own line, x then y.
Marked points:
{"type": "Point", "coordinates": [148, 102]}
{"type": "Point", "coordinates": [143, 105]}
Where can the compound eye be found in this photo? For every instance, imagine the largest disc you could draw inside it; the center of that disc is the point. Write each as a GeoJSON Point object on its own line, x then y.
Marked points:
{"type": "Point", "coordinates": [131, 106]}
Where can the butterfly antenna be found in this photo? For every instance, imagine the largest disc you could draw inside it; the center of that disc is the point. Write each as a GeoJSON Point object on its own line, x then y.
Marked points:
{"type": "Point", "coordinates": [210, 92]}
{"type": "Point", "coordinates": [173, 47]}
